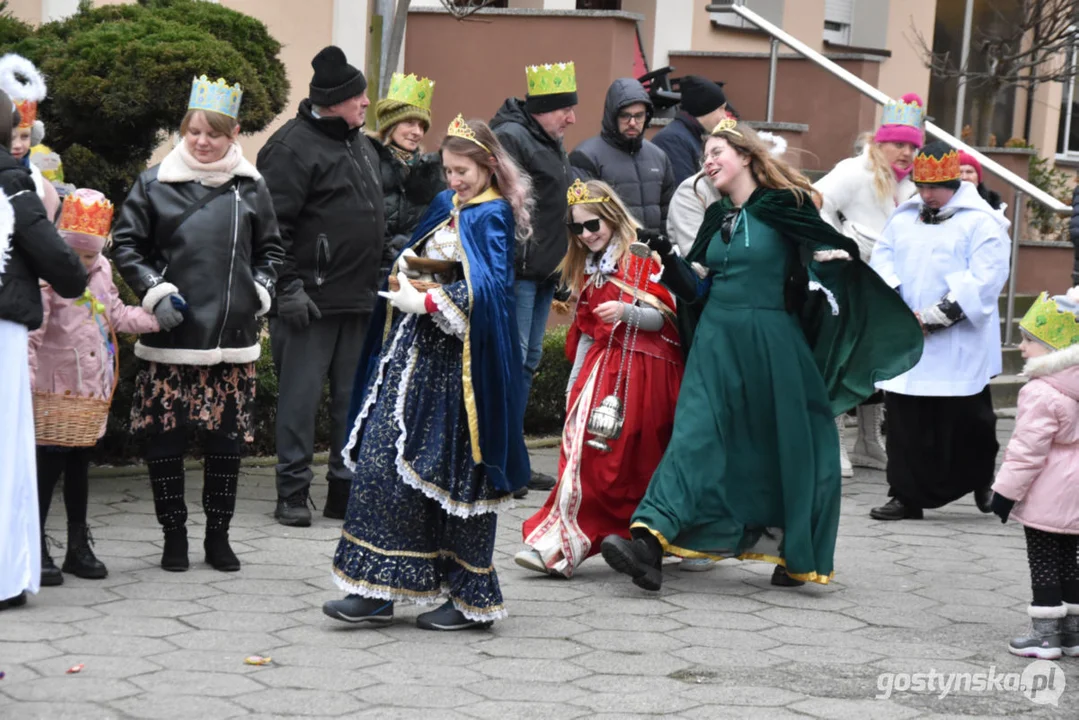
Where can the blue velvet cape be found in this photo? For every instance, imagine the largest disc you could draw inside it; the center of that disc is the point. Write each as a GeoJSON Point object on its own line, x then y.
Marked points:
{"type": "Point", "coordinates": [493, 367]}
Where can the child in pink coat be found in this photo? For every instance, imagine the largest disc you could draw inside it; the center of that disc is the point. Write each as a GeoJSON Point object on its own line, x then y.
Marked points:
{"type": "Point", "coordinates": [1038, 484]}
{"type": "Point", "coordinates": [72, 354]}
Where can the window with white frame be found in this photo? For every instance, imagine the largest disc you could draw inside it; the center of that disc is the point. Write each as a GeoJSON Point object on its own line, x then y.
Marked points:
{"type": "Point", "coordinates": [838, 18]}
{"type": "Point", "coordinates": [1068, 132]}
{"type": "Point", "coordinates": [770, 10]}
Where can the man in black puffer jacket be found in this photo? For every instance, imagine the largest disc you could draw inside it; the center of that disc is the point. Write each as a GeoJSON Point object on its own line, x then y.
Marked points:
{"type": "Point", "coordinates": [324, 180]}
{"type": "Point", "coordinates": [638, 170]}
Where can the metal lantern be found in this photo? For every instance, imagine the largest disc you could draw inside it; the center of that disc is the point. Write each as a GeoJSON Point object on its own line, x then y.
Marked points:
{"type": "Point", "coordinates": [605, 423]}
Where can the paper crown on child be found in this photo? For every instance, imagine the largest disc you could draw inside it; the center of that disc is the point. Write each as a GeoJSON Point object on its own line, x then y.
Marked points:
{"type": "Point", "coordinates": [937, 164]}
{"type": "Point", "coordinates": [578, 194]}
{"type": "Point", "coordinates": [217, 96]}
{"type": "Point", "coordinates": [85, 219]}
{"type": "Point", "coordinates": [23, 83]}
{"type": "Point", "coordinates": [1053, 321]}
{"type": "Point", "coordinates": [459, 128]}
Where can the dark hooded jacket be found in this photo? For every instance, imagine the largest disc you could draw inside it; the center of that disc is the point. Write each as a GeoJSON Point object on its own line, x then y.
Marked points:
{"type": "Point", "coordinates": [636, 168]}
{"type": "Point", "coordinates": [683, 141]}
{"type": "Point", "coordinates": [545, 160]}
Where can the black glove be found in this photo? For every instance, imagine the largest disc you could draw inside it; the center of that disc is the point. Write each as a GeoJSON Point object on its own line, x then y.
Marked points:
{"type": "Point", "coordinates": [1002, 506]}
{"type": "Point", "coordinates": [657, 240]}
{"type": "Point", "coordinates": [168, 311]}
{"type": "Point", "coordinates": [562, 293]}
{"type": "Point", "coordinates": [295, 308]}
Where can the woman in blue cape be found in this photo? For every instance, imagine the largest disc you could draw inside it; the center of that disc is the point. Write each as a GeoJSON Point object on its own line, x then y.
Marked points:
{"type": "Point", "coordinates": [436, 443]}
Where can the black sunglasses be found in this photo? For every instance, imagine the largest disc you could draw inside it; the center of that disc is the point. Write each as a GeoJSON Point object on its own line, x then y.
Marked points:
{"type": "Point", "coordinates": [589, 225]}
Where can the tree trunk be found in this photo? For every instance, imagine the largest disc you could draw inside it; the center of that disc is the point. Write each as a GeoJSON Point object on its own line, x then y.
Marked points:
{"type": "Point", "coordinates": [396, 40]}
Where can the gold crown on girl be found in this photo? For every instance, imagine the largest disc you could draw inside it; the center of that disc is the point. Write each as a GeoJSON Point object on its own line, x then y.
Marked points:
{"type": "Point", "coordinates": [578, 194]}
{"type": "Point", "coordinates": [218, 96]}
{"type": "Point", "coordinates": [727, 125]}
{"type": "Point", "coordinates": [459, 128]}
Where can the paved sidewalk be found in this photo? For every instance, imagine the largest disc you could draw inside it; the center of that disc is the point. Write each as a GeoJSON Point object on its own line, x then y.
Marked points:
{"type": "Point", "coordinates": [943, 595]}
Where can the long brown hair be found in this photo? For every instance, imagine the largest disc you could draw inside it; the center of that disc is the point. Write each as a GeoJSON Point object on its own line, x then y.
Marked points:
{"type": "Point", "coordinates": [514, 183]}
{"type": "Point", "coordinates": [7, 120]}
{"type": "Point", "coordinates": [768, 170]}
{"type": "Point", "coordinates": [623, 232]}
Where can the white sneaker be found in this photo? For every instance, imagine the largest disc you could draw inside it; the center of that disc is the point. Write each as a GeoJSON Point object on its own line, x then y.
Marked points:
{"type": "Point", "coordinates": [531, 560]}
{"type": "Point", "coordinates": [845, 468]}
{"type": "Point", "coordinates": [697, 564]}
{"type": "Point", "coordinates": [869, 449]}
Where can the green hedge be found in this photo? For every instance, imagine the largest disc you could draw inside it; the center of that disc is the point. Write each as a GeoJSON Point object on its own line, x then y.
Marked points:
{"type": "Point", "coordinates": [544, 416]}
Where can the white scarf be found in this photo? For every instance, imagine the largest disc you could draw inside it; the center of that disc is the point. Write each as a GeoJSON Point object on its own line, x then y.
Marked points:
{"type": "Point", "coordinates": [180, 166]}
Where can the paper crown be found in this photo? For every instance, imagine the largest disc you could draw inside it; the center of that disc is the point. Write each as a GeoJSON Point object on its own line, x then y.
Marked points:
{"type": "Point", "coordinates": [411, 90]}
{"type": "Point", "coordinates": [218, 96]}
{"type": "Point", "coordinates": [459, 128]}
{"type": "Point", "coordinates": [23, 83]}
{"type": "Point", "coordinates": [727, 125]}
{"type": "Point", "coordinates": [87, 212]}
{"type": "Point", "coordinates": [27, 112]}
{"type": "Point", "coordinates": [551, 79]}
{"type": "Point", "coordinates": [929, 169]}
{"type": "Point", "coordinates": [900, 112]}
{"type": "Point", "coordinates": [578, 194]}
{"type": "Point", "coordinates": [1048, 322]}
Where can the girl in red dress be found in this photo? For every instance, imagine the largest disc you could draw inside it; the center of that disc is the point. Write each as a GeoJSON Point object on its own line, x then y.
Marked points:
{"type": "Point", "coordinates": [622, 311]}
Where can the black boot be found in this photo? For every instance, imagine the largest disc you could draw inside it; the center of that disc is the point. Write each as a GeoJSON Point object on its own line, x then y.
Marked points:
{"type": "Point", "coordinates": [80, 560]}
{"type": "Point", "coordinates": [337, 500]}
{"type": "Point", "coordinates": [167, 483]}
{"type": "Point", "coordinates": [780, 578]}
{"type": "Point", "coordinates": [896, 509]}
{"type": "Point", "coordinates": [50, 574]}
{"type": "Point", "coordinates": [641, 558]}
{"type": "Point", "coordinates": [220, 474]}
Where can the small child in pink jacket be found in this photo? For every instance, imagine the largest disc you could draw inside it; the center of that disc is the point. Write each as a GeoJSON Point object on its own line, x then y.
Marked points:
{"type": "Point", "coordinates": [72, 354]}
{"type": "Point", "coordinates": [1038, 484]}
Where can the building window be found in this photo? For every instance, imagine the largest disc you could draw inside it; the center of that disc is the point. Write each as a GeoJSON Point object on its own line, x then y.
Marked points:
{"type": "Point", "coordinates": [838, 17]}
{"type": "Point", "coordinates": [493, 4]}
{"type": "Point", "coordinates": [1068, 132]}
{"type": "Point", "coordinates": [599, 4]}
{"type": "Point", "coordinates": [770, 10]}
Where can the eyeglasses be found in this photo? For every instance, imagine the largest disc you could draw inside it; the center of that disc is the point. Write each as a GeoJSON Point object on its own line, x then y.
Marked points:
{"type": "Point", "coordinates": [714, 155]}
{"type": "Point", "coordinates": [577, 228]}
{"type": "Point", "coordinates": [633, 117]}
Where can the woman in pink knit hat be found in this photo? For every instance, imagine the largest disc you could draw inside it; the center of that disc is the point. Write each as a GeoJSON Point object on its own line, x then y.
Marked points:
{"type": "Point", "coordinates": [970, 170]}
{"type": "Point", "coordinates": [859, 195]}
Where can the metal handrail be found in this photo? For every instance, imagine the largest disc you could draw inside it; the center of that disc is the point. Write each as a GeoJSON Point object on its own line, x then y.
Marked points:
{"type": "Point", "coordinates": [865, 88]}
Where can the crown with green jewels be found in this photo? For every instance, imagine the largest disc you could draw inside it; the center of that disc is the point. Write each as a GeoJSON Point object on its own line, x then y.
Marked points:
{"type": "Point", "coordinates": [217, 96]}
{"type": "Point", "coordinates": [1048, 322]}
{"type": "Point", "coordinates": [551, 79]}
{"type": "Point", "coordinates": [411, 90]}
{"type": "Point", "coordinates": [903, 113]}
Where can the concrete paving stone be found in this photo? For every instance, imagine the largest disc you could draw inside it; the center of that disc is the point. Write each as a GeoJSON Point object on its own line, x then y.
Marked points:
{"type": "Point", "coordinates": [155, 627]}
{"type": "Point", "coordinates": [947, 595]}
{"type": "Point", "coordinates": [639, 602]}
{"type": "Point", "coordinates": [313, 678]}
{"type": "Point", "coordinates": [113, 549]}
{"type": "Point", "coordinates": [544, 609]}
{"type": "Point", "coordinates": [70, 594]}
{"type": "Point", "coordinates": [105, 535]}
{"type": "Point", "coordinates": [245, 642]}
{"type": "Point", "coordinates": [928, 541]}
{"type": "Point", "coordinates": [717, 657]}
{"type": "Point", "coordinates": [151, 608]}
{"type": "Point", "coordinates": [507, 710]}
{"type": "Point", "coordinates": [421, 695]}
{"type": "Point", "coordinates": [201, 576]}
{"type": "Point", "coordinates": [885, 583]}
{"type": "Point", "coordinates": [900, 600]}
{"type": "Point", "coordinates": [631, 623]}
{"type": "Point", "coordinates": [623, 683]}
{"type": "Point", "coordinates": [419, 651]}
{"type": "Point", "coordinates": [429, 672]}
{"type": "Point", "coordinates": [537, 648]}
{"type": "Point", "coordinates": [33, 631]}
{"type": "Point", "coordinates": [166, 591]}
{"type": "Point", "coordinates": [630, 642]}
{"type": "Point", "coordinates": [182, 682]}
{"type": "Point", "coordinates": [934, 526]}
{"type": "Point", "coordinates": [716, 603]}
{"type": "Point", "coordinates": [221, 661]}
{"type": "Point", "coordinates": [300, 702]}
{"type": "Point", "coordinates": [63, 711]}
{"type": "Point", "coordinates": [964, 613]}
{"type": "Point", "coordinates": [839, 709]}
{"type": "Point", "coordinates": [540, 587]}
{"type": "Point", "coordinates": [632, 663]}
{"type": "Point", "coordinates": [711, 712]}
{"type": "Point", "coordinates": [536, 689]}
{"type": "Point", "coordinates": [70, 688]}
{"type": "Point", "coordinates": [118, 645]}
{"type": "Point", "coordinates": [823, 655]}
{"type": "Point", "coordinates": [722, 638]}
{"type": "Point", "coordinates": [321, 630]}
{"type": "Point", "coordinates": [915, 620]}
{"type": "Point", "coordinates": [729, 621]}
{"type": "Point", "coordinates": [260, 622]}
{"type": "Point", "coordinates": [638, 703]}
{"type": "Point", "coordinates": [178, 707]}
{"type": "Point", "coordinates": [252, 571]}
{"type": "Point", "coordinates": [404, 714]}
{"type": "Point", "coordinates": [806, 598]}
{"type": "Point", "coordinates": [37, 611]}
{"type": "Point", "coordinates": [242, 603]}
{"type": "Point", "coordinates": [741, 695]}
{"type": "Point", "coordinates": [539, 627]}
{"type": "Point", "coordinates": [104, 666]}
{"type": "Point", "coordinates": [815, 619]}
{"type": "Point", "coordinates": [518, 668]}
{"type": "Point", "coordinates": [18, 653]}
{"type": "Point", "coordinates": [287, 654]}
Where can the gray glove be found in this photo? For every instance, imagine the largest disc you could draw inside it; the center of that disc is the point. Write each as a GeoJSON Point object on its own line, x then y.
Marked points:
{"type": "Point", "coordinates": [295, 308]}
{"type": "Point", "coordinates": [168, 311]}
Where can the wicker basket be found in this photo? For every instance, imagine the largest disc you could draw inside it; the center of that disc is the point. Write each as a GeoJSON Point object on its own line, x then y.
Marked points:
{"type": "Point", "coordinates": [74, 420]}
{"type": "Point", "coordinates": [421, 285]}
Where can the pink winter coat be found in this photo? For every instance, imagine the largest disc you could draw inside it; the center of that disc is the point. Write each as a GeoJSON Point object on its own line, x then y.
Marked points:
{"type": "Point", "coordinates": [68, 353]}
{"type": "Point", "coordinates": [1041, 465]}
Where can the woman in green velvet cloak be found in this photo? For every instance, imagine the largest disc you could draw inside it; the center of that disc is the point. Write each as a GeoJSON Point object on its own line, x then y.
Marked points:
{"type": "Point", "coordinates": [789, 329]}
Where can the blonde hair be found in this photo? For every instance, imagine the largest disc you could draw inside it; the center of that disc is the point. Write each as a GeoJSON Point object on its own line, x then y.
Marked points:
{"type": "Point", "coordinates": [623, 232]}
{"type": "Point", "coordinates": [218, 122]}
{"type": "Point", "coordinates": [768, 170]}
{"type": "Point", "coordinates": [884, 182]}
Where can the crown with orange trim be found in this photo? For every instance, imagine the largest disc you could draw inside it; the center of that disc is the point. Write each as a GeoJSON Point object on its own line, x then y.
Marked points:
{"type": "Point", "coordinates": [23, 83]}
{"type": "Point", "coordinates": [936, 164]}
{"type": "Point", "coordinates": [87, 212]}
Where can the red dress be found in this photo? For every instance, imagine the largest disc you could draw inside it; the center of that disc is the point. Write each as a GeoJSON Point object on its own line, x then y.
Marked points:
{"type": "Point", "coordinates": [598, 491]}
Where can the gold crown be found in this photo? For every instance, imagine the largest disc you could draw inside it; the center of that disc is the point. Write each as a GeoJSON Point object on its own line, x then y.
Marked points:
{"type": "Point", "coordinates": [578, 194]}
{"type": "Point", "coordinates": [727, 125]}
{"type": "Point", "coordinates": [928, 169]}
{"type": "Point", "coordinates": [551, 79]}
{"type": "Point", "coordinates": [86, 215]}
{"type": "Point", "coordinates": [459, 128]}
{"type": "Point", "coordinates": [411, 90]}
{"type": "Point", "coordinates": [1048, 322]}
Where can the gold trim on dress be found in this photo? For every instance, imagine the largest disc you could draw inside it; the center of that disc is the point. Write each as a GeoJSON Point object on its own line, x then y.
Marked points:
{"type": "Point", "coordinates": [415, 554]}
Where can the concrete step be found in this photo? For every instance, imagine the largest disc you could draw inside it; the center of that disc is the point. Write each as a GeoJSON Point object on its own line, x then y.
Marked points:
{"type": "Point", "coordinates": [1012, 360]}
{"type": "Point", "coordinates": [1005, 390]}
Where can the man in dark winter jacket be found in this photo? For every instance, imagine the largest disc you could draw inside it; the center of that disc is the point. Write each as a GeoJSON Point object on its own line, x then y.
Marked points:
{"type": "Point", "coordinates": [638, 171]}
{"type": "Point", "coordinates": [531, 130]}
{"type": "Point", "coordinates": [703, 106]}
{"type": "Point", "coordinates": [325, 185]}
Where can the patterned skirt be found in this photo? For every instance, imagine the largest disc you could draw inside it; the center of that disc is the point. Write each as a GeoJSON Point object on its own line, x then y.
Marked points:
{"type": "Point", "coordinates": [421, 515]}
{"type": "Point", "coordinates": [214, 398]}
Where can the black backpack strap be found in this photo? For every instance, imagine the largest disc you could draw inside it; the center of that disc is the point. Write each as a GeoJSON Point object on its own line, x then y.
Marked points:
{"type": "Point", "coordinates": [169, 230]}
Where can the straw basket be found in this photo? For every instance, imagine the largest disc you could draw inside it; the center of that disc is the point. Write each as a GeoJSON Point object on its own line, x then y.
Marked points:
{"type": "Point", "coordinates": [74, 420]}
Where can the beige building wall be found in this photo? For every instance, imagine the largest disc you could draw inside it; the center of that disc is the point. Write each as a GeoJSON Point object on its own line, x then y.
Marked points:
{"type": "Point", "coordinates": [804, 19]}
{"type": "Point", "coordinates": [905, 70]}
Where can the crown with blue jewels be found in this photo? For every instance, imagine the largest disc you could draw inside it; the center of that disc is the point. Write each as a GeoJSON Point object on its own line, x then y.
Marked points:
{"type": "Point", "coordinates": [903, 113]}
{"type": "Point", "coordinates": [217, 96]}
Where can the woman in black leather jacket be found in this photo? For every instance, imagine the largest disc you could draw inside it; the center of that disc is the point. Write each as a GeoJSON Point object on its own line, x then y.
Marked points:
{"type": "Point", "coordinates": [410, 178]}
{"type": "Point", "coordinates": [198, 241]}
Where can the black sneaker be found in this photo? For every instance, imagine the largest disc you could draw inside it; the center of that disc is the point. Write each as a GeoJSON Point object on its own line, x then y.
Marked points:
{"type": "Point", "coordinates": [896, 510]}
{"type": "Point", "coordinates": [539, 481]}
{"type": "Point", "coordinates": [293, 510]}
{"type": "Point", "coordinates": [520, 493]}
{"type": "Point", "coordinates": [447, 617]}
{"type": "Point", "coordinates": [780, 578]}
{"type": "Point", "coordinates": [358, 609]}
{"type": "Point", "coordinates": [633, 558]}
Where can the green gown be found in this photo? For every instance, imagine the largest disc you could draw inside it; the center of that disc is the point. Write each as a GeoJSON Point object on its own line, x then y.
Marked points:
{"type": "Point", "coordinates": [752, 468]}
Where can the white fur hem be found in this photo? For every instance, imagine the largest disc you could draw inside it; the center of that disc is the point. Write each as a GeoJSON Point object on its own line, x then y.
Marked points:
{"type": "Point", "coordinates": [449, 317]}
{"type": "Point", "coordinates": [264, 300]}
{"type": "Point", "coordinates": [184, 356]}
{"type": "Point", "coordinates": [1071, 608]}
{"type": "Point", "coordinates": [1054, 362]}
{"type": "Point", "coordinates": [157, 293]}
{"type": "Point", "coordinates": [1042, 612]}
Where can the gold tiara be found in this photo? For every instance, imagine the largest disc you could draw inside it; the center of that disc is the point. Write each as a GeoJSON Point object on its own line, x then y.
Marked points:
{"type": "Point", "coordinates": [727, 125]}
{"type": "Point", "coordinates": [459, 128]}
{"type": "Point", "coordinates": [578, 194]}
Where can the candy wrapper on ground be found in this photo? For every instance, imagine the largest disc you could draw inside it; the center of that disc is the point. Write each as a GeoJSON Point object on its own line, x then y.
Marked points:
{"type": "Point", "coordinates": [257, 660]}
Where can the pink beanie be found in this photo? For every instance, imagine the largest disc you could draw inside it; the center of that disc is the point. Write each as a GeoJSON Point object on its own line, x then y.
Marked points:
{"type": "Point", "coordinates": [903, 121]}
